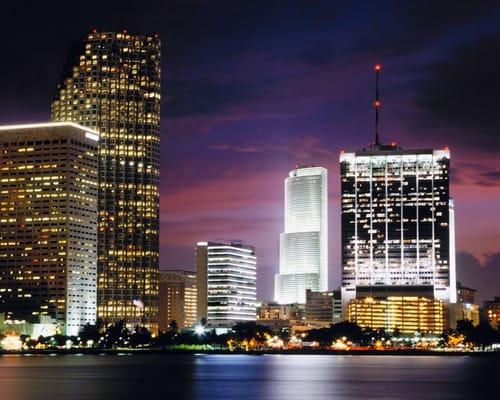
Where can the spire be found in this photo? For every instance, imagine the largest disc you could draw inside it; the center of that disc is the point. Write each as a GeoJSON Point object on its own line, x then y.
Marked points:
{"type": "Point", "coordinates": [378, 67]}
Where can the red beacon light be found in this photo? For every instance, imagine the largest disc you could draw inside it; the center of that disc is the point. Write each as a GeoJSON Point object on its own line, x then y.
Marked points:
{"type": "Point", "coordinates": [377, 103]}
{"type": "Point", "coordinates": [393, 144]}
{"type": "Point", "coordinates": [378, 67]}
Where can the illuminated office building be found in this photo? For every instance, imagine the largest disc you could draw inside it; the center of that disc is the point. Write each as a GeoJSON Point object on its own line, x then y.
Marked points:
{"type": "Point", "coordinates": [177, 299]}
{"type": "Point", "coordinates": [397, 221]}
{"type": "Point", "coordinates": [323, 306]}
{"type": "Point", "coordinates": [303, 262]}
{"type": "Point", "coordinates": [409, 311]}
{"type": "Point", "coordinates": [227, 283]}
{"type": "Point", "coordinates": [48, 224]}
{"type": "Point", "coordinates": [111, 83]}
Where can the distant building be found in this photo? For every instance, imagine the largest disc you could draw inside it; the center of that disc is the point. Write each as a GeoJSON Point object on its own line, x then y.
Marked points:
{"type": "Point", "coordinates": [398, 227]}
{"type": "Point", "coordinates": [491, 311]}
{"type": "Point", "coordinates": [227, 283]}
{"type": "Point", "coordinates": [177, 299]}
{"type": "Point", "coordinates": [274, 311]}
{"type": "Point", "coordinates": [465, 308]}
{"type": "Point", "coordinates": [48, 225]}
{"type": "Point", "coordinates": [303, 262]}
{"type": "Point", "coordinates": [324, 306]}
{"type": "Point", "coordinates": [111, 83]}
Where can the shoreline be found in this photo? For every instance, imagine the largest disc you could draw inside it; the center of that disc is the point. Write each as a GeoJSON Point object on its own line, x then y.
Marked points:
{"type": "Point", "coordinates": [388, 353]}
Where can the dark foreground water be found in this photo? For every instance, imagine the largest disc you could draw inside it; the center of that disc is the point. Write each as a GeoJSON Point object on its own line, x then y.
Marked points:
{"type": "Point", "coordinates": [241, 377]}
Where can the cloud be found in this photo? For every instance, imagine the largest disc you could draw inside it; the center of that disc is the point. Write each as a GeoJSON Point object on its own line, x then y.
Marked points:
{"type": "Point", "coordinates": [484, 276]}
{"type": "Point", "coordinates": [461, 92]}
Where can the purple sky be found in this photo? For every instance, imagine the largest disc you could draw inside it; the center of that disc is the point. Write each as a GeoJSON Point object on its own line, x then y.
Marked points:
{"type": "Point", "coordinates": [252, 88]}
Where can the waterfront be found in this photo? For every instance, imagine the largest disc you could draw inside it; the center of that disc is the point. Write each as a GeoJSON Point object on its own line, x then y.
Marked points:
{"type": "Point", "coordinates": [243, 377]}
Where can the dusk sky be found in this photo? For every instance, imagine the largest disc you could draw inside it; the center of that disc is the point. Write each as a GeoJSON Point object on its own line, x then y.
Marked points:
{"type": "Point", "coordinates": [252, 88]}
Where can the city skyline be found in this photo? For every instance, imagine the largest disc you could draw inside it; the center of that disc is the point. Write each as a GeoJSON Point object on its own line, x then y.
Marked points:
{"type": "Point", "coordinates": [222, 114]}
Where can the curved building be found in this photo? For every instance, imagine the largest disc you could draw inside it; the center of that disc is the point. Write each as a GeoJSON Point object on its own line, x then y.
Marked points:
{"type": "Point", "coordinates": [304, 244]}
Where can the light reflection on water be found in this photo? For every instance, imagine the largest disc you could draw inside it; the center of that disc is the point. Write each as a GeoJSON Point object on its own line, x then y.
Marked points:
{"type": "Point", "coordinates": [243, 377]}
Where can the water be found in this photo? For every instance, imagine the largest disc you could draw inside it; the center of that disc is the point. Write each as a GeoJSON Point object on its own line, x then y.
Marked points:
{"type": "Point", "coordinates": [220, 377]}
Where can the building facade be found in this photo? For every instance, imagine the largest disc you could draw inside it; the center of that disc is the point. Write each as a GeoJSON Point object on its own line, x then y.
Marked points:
{"type": "Point", "coordinates": [227, 283]}
{"type": "Point", "coordinates": [397, 222]}
{"type": "Point", "coordinates": [324, 306]}
{"type": "Point", "coordinates": [177, 299]}
{"type": "Point", "coordinates": [111, 83]}
{"type": "Point", "coordinates": [303, 262]}
{"type": "Point", "coordinates": [491, 311]}
{"type": "Point", "coordinates": [48, 224]}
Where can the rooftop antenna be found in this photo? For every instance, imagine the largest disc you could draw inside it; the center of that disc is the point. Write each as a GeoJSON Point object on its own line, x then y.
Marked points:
{"type": "Point", "coordinates": [378, 67]}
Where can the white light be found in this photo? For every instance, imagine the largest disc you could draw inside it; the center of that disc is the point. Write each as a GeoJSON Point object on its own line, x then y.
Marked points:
{"type": "Point", "coordinates": [199, 330]}
{"type": "Point", "coordinates": [92, 136]}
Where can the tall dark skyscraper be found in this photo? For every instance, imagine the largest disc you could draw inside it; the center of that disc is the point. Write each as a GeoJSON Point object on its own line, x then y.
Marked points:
{"type": "Point", "coordinates": [397, 224]}
{"type": "Point", "coordinates": [111, 83]}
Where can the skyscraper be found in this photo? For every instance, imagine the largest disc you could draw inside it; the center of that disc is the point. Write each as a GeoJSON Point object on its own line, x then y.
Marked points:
{"type": "Point", "coordinates": [397, 223]}
{"type": "Point", "coordinates": [111, 83]}
{"type": "Point", "coordinates": [227, 283]}
{"type": "Point", "coordinates": [48, 224]}
{"type": "Point", "coordinates": [304, 244]}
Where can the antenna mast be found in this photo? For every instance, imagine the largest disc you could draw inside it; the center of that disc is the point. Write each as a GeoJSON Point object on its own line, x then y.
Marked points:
{"type": "Point", "coordinates": [378, 67]}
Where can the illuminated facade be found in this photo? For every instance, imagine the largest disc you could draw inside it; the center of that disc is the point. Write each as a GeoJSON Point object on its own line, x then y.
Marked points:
{"type": "Point", "coordinates": [112, 84]}
{"type": "Point", "coordinates": [304, 244]}
{"type": "Point", "coordinates": [177, 299]}
{"type": "Point", "coordinates": [48, 224]}
{"type": "Point", "coordinates": [492, 312]}
{"type": "Point", "coordinates": [408, 314]}
{"type": "Point", "coordinates": [227, 283]}
{"type": "Point", "coordinates": [397, 221]}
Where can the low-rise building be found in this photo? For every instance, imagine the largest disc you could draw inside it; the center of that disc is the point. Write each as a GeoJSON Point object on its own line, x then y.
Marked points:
{"type": "Point", "coordinates": [491, 311]}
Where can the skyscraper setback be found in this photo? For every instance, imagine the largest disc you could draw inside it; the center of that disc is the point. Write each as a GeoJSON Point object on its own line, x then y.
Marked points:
{"type": "Point", "coordinates": [304, 244]}
{"type": "Point", "coordinates": [111, 83]}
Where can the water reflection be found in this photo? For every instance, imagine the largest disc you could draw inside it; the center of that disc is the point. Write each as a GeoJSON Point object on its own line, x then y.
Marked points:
{"type": "Point", "coordinates": [243, 377]}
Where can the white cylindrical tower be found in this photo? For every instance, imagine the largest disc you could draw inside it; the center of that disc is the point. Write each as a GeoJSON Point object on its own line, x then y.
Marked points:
{"type": "Point", "coordinates": [304, 244]}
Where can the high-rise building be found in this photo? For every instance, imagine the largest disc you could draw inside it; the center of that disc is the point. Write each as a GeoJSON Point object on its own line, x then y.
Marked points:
{"type": "Point", "coordinates": [303, 262]}
{"type": "Point", "coordinates": [177, 299]}
{"type": "Point", "coordinates": [227, 283]}
{"type": "Point", "coordinates": [111, 83]}
{"type": "Point", "coordinates": [397, 222]}
{"type": "Point", "coordinates": [48, 224]}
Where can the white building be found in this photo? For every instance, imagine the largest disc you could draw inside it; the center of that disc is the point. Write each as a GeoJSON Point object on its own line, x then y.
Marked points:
{"type": "Point", "coordinates": [304, 244]}
{"type": "Point", "coordinates": [398, 228]}
{"type": "Point", "coordinates": [227, 283]}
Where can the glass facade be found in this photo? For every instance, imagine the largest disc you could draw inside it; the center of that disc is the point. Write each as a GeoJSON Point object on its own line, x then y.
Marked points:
{"type": "Point", "coordinates": [228, 293]}
{"type": "Point", "coordinates": [48, 224]}
{"type": "Point", "coordinates": [304, 244]}
{"type": "Point", "coordinates": [397, 221]}
{"type": "Point", "coordinates": [408, 314]}
{"type": "Point", "coordinates": [111, 83]}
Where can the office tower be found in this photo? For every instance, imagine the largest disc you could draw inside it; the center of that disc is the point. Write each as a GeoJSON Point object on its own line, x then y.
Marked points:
{"type": "Point", "coordinates": [48, 224]}
{"type": "Point", "coordinates": [323, 306]}
{"type": "Point", "coordinates": [397, 221]}
{"type": "Point", "coordinates": [227, 283]}
{"type": "Point", "coordinates": [304, 244]}
{"type": "Point", "coordinates": [177, 299]}
{"type": "Point", "coordinates": [111, 83]}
